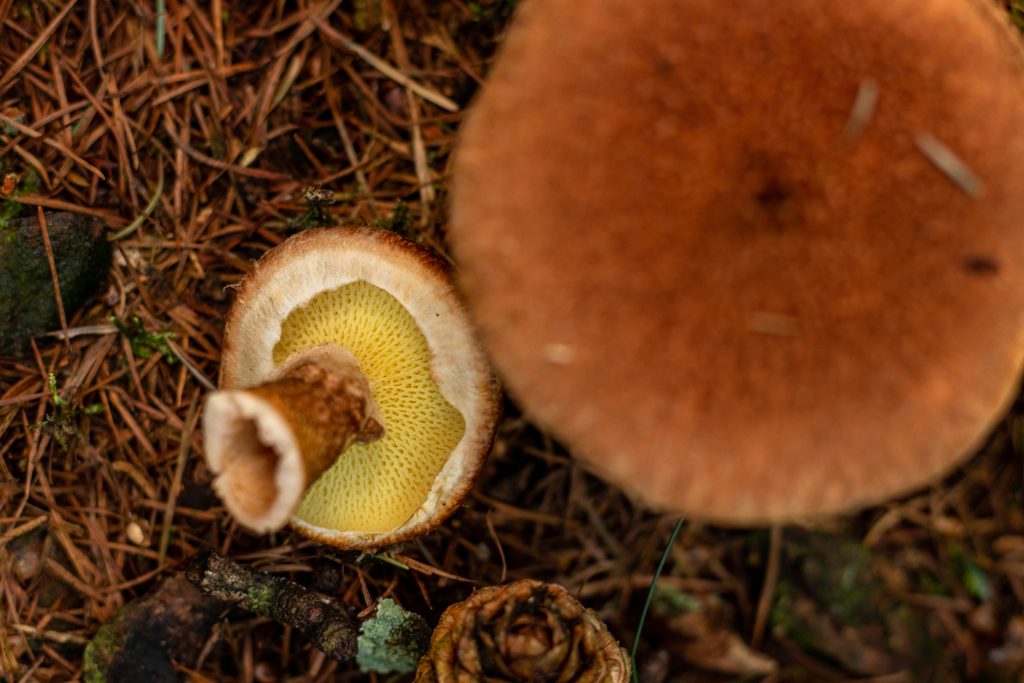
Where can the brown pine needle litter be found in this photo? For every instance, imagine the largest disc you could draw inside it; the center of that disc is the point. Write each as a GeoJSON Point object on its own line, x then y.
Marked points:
{"type": "Point", "coordinates": [194, 133]}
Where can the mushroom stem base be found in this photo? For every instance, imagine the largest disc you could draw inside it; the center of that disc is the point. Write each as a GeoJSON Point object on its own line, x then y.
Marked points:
{"type": "Point", "coordinates": [269, 443]}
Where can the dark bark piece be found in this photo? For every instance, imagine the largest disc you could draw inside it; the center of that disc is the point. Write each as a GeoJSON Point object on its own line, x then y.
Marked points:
{"type": "Point", "coordinates": [148, 636]}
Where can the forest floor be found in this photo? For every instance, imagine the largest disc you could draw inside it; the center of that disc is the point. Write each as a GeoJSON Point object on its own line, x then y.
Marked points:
{"type": "Point", "coordinates": [194, 135]}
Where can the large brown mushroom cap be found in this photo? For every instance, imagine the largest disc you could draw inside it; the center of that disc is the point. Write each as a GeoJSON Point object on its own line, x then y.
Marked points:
{"type": "Point", "coordinates": [752, 263]}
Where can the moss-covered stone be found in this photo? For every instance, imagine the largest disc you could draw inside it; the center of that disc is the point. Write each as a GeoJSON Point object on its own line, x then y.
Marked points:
{"type": "Point", "coordinates": [27, 303]}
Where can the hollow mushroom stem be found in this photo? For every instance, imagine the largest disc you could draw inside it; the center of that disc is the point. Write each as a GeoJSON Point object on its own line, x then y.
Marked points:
{"type": "Point", "coordinates": [267, 444]}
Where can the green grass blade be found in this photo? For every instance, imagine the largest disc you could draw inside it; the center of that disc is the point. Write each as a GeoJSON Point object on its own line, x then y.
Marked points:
{"type": "Point", "coordinates": [650, 595]}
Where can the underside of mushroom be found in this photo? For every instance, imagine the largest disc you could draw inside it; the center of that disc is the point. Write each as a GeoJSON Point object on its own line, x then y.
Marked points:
{"type": "Point", "coordinates": [355, 401]}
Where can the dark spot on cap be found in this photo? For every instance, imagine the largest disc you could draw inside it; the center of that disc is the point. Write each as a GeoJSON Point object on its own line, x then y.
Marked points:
{"type": "Point", "coordinates": [980, 265]}
{"type": "Point", "coordinates": [772, 195]}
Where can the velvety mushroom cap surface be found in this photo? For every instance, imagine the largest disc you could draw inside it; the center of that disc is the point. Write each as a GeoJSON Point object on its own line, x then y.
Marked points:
{"type": "Point", "coordinates": [753, 265]}
{"type": "Point", "coordinates": [392, 306]}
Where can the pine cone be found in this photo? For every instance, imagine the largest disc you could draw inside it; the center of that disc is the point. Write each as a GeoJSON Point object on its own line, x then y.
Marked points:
{"type": "Point", "coordinates": [522, 631]}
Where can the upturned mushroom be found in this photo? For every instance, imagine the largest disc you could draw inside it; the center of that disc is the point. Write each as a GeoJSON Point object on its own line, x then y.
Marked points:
{"type": "Point", "coordinates": [354, 401]}
{"type": "Point", "coordinates": [752, 265]}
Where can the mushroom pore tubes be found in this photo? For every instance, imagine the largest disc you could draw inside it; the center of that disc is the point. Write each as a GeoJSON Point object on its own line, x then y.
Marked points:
{"type": "Point", "coordinates": [376, 486]}
{"type": "Point", "coordinates": [355, 402]}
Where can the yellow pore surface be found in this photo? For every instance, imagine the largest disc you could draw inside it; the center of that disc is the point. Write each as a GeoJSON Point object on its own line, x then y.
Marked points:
{"type": "Point", "coordinates": [377, 486]}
